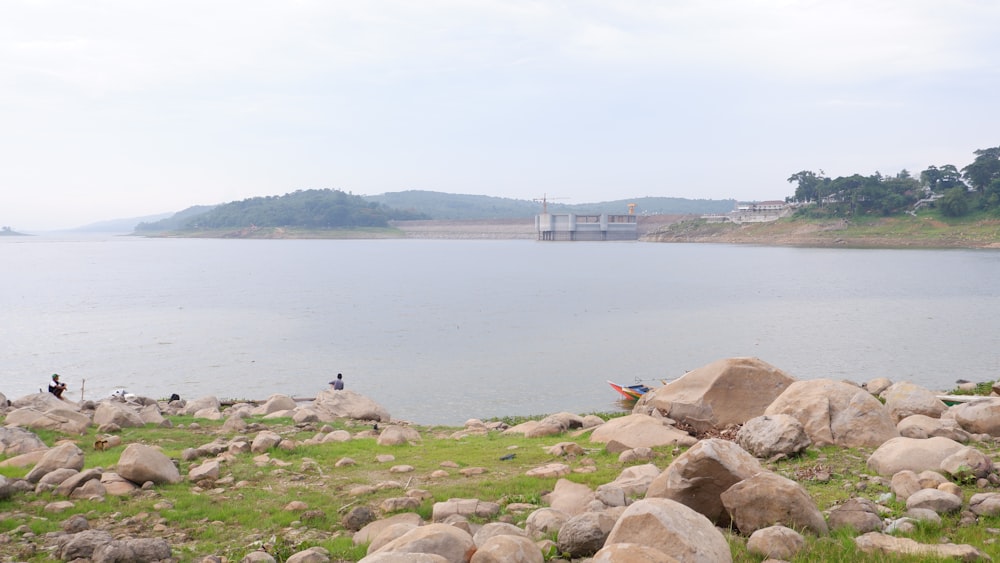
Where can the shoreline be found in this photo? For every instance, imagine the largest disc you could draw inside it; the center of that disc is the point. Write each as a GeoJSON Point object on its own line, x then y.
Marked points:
{"type": "Point", "coordinates": [888, 233]}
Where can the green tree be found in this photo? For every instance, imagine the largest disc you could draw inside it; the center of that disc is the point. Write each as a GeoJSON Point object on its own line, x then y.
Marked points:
{"type": "Point", "coordinates": [986, 168]}
{"type": "Point", "coordinates": [940, 180]}
{"type": "Point", "coordinates": [810, 186]}
{"type": "Point", "coordinates": [955, 202]}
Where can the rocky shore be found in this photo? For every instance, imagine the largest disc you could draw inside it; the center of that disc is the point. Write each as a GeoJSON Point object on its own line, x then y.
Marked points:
{"type": "Point", "coordinates": [735, 460]}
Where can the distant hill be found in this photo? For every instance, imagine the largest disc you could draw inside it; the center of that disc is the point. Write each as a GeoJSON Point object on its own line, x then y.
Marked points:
{"type": "Point", "coordinates": [119, 225]}
{"type": "Point", "coordinates": [454, 207]}
{"type": "Point", "coordinates": [174, 222]}
{"type": "Point", "coordinates": [333, 208]}
{"type": "Point", "coordinates": [308, 209]}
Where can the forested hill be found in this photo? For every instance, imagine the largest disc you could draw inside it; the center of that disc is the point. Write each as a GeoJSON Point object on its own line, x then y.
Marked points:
{"type": "Point", "coordinates": [307, 209]}
{"type": "Point", "coordinates": [321, 209]}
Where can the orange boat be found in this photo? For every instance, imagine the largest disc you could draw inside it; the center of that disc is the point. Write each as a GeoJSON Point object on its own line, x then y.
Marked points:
{"type": "Point", "coordinates": [630, 392]}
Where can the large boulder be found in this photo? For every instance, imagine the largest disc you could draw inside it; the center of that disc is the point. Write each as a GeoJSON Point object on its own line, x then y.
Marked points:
{"type": "Point", "coordinates": [394, 435]}
{"type": "Point", "coordinates": [632, 482]}
{"type": "Point", "coordinates": [62, 418]}
{"type": "Point", "coordinates": [858, 514]}
{"type": "Point", "coordinates": [671, 528]}
{"type": "Point", "coordinates": [836, 413]}
{"type": "Point", "coordinates": [120, 414]}
{"type": "Point", "coordinates": [767, 499]}
{"type": "Point", "coordinates": [776, 543]}
{"type": "Point", "coordinates": [979, 416]}
{"type": "Point", "coordinates": [276, 403]}
{"type": "Point", "coordinates": [720, 394]}
{"type": "Point", "coordinates": [914, 454]}
{"type": "Point", "coordinates": [64, 456]}
{"type": "Point", "coordinates": [331, 405]}
{"type": "Point", "coordinates": [923, 426]}
{"type": "Point", "coordinates": [202, 405]}
{"type": "Point", "coordinates": [640, 430]}
{"type": "Point", "coordinates": [584, 534]}
{"type": "Point", "coordinates": [904, 399]}
{"type": "Point", "coordinates": [699, 476]}
{"type": "Point", "coordinates": [569, 497]}
{"type": "Point", "coordinates": [450, 542]}
{"type": "Point", "coordinates": [140, 463]}
{"type": "Point", "coordinates": [43, 401]}
{"type": "Point", "coordinates": [16, 441]}
{"type": "Point", "coordinates": [766, 436]}
{"type": "Point", "coordinates": [151, 414]}
{"type": "Point", "coordinates": [508, 549]}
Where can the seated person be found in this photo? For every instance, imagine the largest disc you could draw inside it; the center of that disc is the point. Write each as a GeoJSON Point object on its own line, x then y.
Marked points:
{"type": "Point", "coordinates": [56, 387]}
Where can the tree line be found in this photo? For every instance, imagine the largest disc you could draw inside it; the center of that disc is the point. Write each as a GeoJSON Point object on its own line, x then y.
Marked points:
{"type": "Point", "coordinates": [976, 187]}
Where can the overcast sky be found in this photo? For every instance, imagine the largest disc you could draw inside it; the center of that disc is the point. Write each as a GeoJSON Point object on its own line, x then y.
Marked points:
{"type": "Point", "coordinates": [125, 108]}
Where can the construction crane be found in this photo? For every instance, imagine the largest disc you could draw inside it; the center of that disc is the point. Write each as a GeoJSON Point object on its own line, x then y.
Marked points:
{"type": "Point", "coordinates": [545, 201]}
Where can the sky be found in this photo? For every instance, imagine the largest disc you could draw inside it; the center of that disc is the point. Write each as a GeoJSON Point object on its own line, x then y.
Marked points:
{"type": "Point", "coordinates": [126, 108]}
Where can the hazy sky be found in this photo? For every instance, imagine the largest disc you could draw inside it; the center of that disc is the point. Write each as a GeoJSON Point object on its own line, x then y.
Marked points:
{"type": "Point", "coordinates": [123, 108]}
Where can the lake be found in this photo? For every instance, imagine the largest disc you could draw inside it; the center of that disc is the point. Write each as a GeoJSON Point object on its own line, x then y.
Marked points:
{"type": "Point", "coordinates": [439, 331]}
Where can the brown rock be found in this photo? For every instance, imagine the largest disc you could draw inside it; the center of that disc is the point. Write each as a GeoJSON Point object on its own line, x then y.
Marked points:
{"type": "Point", "coordinates": [699, 476]}
{"type": "Point", "coordinates": [723, 393]}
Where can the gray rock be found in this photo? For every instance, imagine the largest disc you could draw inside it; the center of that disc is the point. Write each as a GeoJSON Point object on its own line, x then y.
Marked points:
{"type": "Point", "coordinates": [859, 514]}
{"type": "Point", "coordinates": [81, 545]}
{"type": "Point", "coordinates": [985, 504]}
{"type": "Point", "coordinates": [357, 518]}
{"type": "Point", "coordinates": [939, 501]}
{"type": "Point", "coordinates": [767, 499]}
{"type": "Point", "coordinates": [16, 441]}
{"type": "Point", "coordinates": [769, 435]}
{"type": "Point", "coordinates": [545, 521]}
{"type": "Point", "coordinates": [139, 550]}
{"type": "Point", "coordinates": [967, 463]}
{"type": "Point", "coordinates": [979, 416]}
{"type": "Point", "coordinates": [113, 412]}
{"type": "Point", "coordinates": [776, 542]}
{"type": "Point", "coordinates": [584, 534]}
{"type": "Point", "coordinates": [904, 399]}
{"type": "Point", "coordinates": [264, 440]}
{"type": "Point", "coordinates": [922, 426]}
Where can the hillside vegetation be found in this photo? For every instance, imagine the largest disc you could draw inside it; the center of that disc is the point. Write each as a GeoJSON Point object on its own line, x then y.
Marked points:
{"type": "Point", "coordinates": [925, 230]}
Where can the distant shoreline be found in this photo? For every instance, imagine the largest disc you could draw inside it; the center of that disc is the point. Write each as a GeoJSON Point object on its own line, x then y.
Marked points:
{"type": "Point", "coordinates": [895, 232]}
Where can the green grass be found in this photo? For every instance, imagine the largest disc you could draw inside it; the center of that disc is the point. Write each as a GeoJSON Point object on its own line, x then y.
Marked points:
{"type": "Point", "coordinates": [248, 511]}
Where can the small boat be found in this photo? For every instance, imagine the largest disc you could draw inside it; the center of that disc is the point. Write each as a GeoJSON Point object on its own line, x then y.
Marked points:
{"type": "Point", "coordinates": [630, 392]}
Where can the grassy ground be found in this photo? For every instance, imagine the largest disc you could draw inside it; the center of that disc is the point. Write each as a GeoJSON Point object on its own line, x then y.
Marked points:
{"type": "Point", "coordinates": [926, 230]}
{"type": "Point", "coordinates": [245, 509]}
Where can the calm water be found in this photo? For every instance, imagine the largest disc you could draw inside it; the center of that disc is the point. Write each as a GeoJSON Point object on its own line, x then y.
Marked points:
{"type": "Point", "coordinates": [442, 331]}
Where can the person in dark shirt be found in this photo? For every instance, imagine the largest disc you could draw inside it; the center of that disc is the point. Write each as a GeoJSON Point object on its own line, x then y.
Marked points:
{"type": "Point", "coordinates": [56, 387]}
{"type": "Point", "coordinates": [338, 383]}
